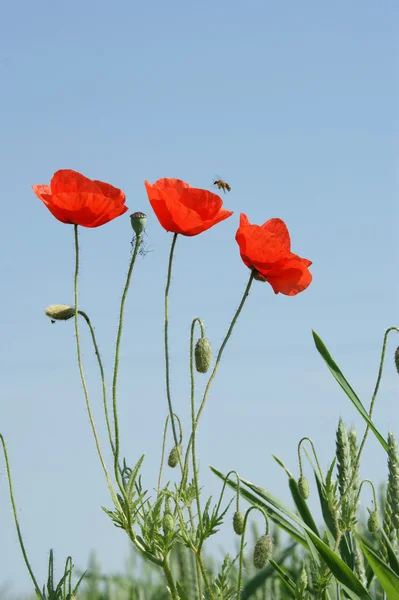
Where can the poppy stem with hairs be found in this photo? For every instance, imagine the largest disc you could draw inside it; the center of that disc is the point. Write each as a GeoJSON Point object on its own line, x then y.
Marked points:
{"type": "Point", "coordinates": [167, 375]}
{"type": "Point", "coordinates": [14, 510]}
{"type": "Point", "coordinates": [82, 376]}
{"type": "Point", "coordinates": [102, 374]}
{"type": "Point", "coordinates": [215, 368]}
{"type": "Point", "coordinates": [116, 366]}
{"type": "Point", "coordinates": [194, 461]}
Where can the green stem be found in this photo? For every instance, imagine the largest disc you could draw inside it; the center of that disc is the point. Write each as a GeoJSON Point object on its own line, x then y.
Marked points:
{"type": "Point", "coordinates": [104, 387]}
{"type": "Point", "coordinates": [164, 446]}
{"type": "Point", "coordinates": [169, 579]}
{"type": "Point", "coordinates": [372, 403]}
{"type": "Point", "coordinates": [14, 510]}
{"type": "Point", "coordinates": [314, 454]}
{"type": "Point", "coordinates": [373, 490]}
{"type": "Point", "coordinates": [116, 365]}
{"type": "Point", "coordinates": [239, 582]}
{"type": "Point", "coordinates": [167, 368]}
{"type": "Point", "coordinates": [225, 482]}
{"type": "Point", "coordinates": [218, 359]}
{"type": "Point", "coordinates": [194, 463]}
{"type": "Point", "coordinates": [82, 376]}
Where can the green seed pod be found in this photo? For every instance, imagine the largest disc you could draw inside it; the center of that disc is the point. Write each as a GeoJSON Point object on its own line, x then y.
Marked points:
{"type": "Point", "coordinates": [303, 486]}
{"type": "Point", "coordinates": [60, 312]}
{"type": "Point", "coordinates": [203, 355]}
{"type": "Point", "coordinates": [173, 459]}
{"type": "Point", "coordinates": [238, 522]}
{"type": "Point", "coordinates": [262, 551]}
{"type": "Point", "coordinates": [168, 522]}
{"type": "Point", "coordinates": [138, 221]}
{"type": "Point", "coordinates": [397, 359]}
{"type": "Point", "coordinates": [373, 523]}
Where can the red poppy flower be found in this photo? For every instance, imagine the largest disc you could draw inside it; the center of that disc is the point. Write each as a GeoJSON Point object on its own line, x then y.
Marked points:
{"type": "Point", "coordinates": [267, 249]}
{"type": "Point", "coordinates": [183, 209]}
{"type": "Point", "coordinates": [73, 198]}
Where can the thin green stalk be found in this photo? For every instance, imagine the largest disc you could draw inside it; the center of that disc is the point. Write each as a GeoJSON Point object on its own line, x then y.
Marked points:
{"type": "Point", "coordinates": [169, 579]}
{"type": "Point", "coordinates": [14, 510]}
{"type": "Point", "coordinates": [242, 544]}
{"type": "Point", "coordinates": [104, 387]}
{"type": "Point", "coordinates": [315, 457]}
{"type": "Point", "coordinates": [82, 376]}
{"type": "Point", "coordinates": [372, 403]}
{"type": "Point", "coordinates": [165, 431]}
{"type": "Point", "coordinates": [116, 365]}
{"type": "Point", "coordinates": [194, 463]}
{"type": "Point", "coordinates": [218, 359]}
{"type": "Point", "coordinates": [167, 368]}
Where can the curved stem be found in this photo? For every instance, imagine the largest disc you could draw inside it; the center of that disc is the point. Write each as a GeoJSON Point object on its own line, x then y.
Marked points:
{"type": "Point", "coordinates": [167, 368]}
{"type": "Point", "coordinates": [104, 387]}
{"type": "Point", "coordinates": [373, 490]}
{"type": "Point", "coordinates": [218, 359]}
{"type": "Point", "coordinates": [14, 510]}
{"type": "Point", "coordinates": [372, 403]}
{"type": "Point", "coordinates": [116, 365]}
{"type": "Point", "coordinates": [224, 488]}
{"type": "Point", "coordinates": [82, 376]}
{"type": "Point", "coordinates": [314, 454]}
{"type": "Point", "coordinates": [239, 582]}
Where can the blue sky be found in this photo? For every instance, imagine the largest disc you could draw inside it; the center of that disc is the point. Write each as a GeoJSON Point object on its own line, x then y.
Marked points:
{"type": "Point", "coordinates": [295, 104]}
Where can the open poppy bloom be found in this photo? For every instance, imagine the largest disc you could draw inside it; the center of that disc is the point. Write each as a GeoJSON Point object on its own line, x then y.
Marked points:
{"type": "Point", "coordinates": [183, 209]}
{"type": "Point", "coordinates": [267, 249]}
{"type": "Point", "coordinates": [73, 198]}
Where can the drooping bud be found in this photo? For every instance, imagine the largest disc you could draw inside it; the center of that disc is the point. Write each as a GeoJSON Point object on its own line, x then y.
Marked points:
{"type": "Point", "coordinates": [238, 522]}
{"type": "Point", "coordinates": [262, 551]}
{"type": "Point", "coordinates": [138, 221]}
{"type": "Point", "coordinates": [303, 487]}
{"type": "Point", "coordinates": [203, 355]}
{"type": "Point", "coordinates": [373, 523]}
{"type": "Point", "coordinates": [397, 359]}
{"type": "Point", "coordinates": [168, 522]}
{"type": "Point", "coordinates": [174, 455]}
{"type": "Point", "coordinates": [60, 312]}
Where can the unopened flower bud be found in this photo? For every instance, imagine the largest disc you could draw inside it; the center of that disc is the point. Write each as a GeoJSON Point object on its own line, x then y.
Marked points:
{"type": "Point", "coordinates": [397, 359]}
{"type": "Point", "coordinates": [303, 487]}
{"type": "Point", "coordinates": [373, 523]}
{"type": "Point", "coordinates": [262, 551]}
{"type": "Point", "coordinates": [138, 221]}
{"type": "Point", "coordinates": [168, 522]}
{"type": "Point", "coordinates": [60, 312]}
{"type": "Point", "coordinates": [174, 455]}
{"type": "Point", "coordinates": [238, 522]}
{"type": "Point", "coordinates": [203, 355]}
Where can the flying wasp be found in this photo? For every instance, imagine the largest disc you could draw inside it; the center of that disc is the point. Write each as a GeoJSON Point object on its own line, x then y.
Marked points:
{"type": "Point", "coordinates": [222, 185]}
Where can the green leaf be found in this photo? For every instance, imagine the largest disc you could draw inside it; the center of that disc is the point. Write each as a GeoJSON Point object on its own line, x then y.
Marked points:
{"type": "Point", "coordinates": [274, 515]}
{"type": "Point", "coordinates": [340, 570]}
{"type": "Point", "coordinates": [302, 505]}
{"type": "Point", "coordinates": [285, 579]}
{"type": "Point", "coordinates": [133, 477]}
{"type": "Point", "coordinates": [338, 375]}
{"type": "Point", "coordinates": [388, 579]}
